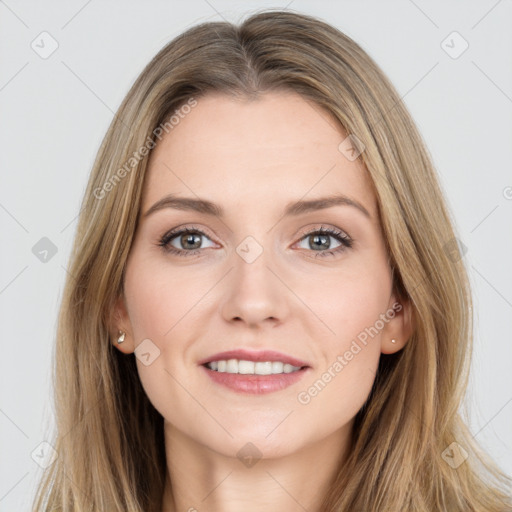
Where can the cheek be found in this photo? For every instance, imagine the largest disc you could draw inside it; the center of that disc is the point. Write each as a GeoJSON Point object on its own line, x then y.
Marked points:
{"type": "Point", "coordinates": [346, 307]}
{"type": "Point", "coordinates": [350, 303]}
{"type": "Point", "coordinates": [156, 299]}
{"type": "Point", "coordinates": [157, 302]}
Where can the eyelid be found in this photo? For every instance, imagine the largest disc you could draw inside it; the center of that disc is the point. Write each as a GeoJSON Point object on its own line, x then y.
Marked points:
{"type": "Point", "coordinates": [321, 227]}
{"type": "Point", "coordinates": [164, 242]}
{"type": "Point", "coordinates": [301, 233]}
{"type": "Point", "coordinates": [188, 227]}
{"type": "Point", "coordinates": [344, 239]}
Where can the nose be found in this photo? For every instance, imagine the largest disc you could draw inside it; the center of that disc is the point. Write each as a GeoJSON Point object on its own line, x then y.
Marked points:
{"type": "Point", "coordinates": [254, 292]}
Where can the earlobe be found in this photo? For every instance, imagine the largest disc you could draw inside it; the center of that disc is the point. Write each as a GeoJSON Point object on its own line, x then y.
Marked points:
{"type": "Point", "coordinates": [123, 342]}
{"type": "Point", "coordinates": [399, 329]}
{"type": "Point", "coordinates": [120, 328]}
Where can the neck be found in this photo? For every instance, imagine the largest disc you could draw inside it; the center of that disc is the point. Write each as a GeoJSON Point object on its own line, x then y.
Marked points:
{"type": "Point", "coordinates": [199, 478]}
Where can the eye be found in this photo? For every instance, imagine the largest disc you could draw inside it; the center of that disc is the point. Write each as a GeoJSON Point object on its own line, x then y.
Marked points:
{"type": "Point", "coordinates": [320, 239]}
{"type": "Point", "coordinates": [189, 239]}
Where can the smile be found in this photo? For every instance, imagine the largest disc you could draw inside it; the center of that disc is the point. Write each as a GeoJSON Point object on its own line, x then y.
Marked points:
{"type": "Point", "coordinates": [274, 376]}
{"type": "Point", "coordinates": [245, 367]}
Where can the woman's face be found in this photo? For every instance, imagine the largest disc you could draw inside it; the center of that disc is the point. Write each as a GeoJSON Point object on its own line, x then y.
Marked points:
{"type": "Point", "coordinates": [258, 277]}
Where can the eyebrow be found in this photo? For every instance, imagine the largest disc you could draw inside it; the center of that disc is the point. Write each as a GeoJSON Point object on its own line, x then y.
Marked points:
{"type": "Point", "coordinates": [292, 209]}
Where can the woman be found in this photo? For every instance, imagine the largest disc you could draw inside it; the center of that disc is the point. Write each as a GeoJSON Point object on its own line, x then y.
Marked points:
{"type": "Point", "coordinates": [310, 349]}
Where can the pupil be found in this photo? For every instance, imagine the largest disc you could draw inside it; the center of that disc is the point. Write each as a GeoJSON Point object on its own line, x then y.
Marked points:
{"type": "Point", "coordinates": [325, 239]}
{"type": "Point", "coordinates": [185, 239]}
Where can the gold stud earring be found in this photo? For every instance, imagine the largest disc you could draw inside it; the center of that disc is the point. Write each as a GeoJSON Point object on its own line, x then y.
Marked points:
{"type": "Point", "coordinates": [121, 336]}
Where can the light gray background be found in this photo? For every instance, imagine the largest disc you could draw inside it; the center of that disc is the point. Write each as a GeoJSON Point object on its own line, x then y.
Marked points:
{"type": "Point", "coordinates": [55, 112]}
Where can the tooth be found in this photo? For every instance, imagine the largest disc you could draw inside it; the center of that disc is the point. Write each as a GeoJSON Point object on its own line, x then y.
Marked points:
{"type": "Point", "coordinates": [288, 368]}
{"type": "Point", "coordinates": [246, 367]}
{"type": "Point", "coordinates": [277, 367]}
{"type": "Point", "coordinates": [263, 368]}
{"type": "Point", "coordinates": [232, 366]}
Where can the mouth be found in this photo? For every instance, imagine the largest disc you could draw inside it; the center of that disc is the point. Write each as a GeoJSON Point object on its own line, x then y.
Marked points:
{"type": "Point", "coordinates": [246, 367]}
{"type": "Point", "coordinates": [254, 372]}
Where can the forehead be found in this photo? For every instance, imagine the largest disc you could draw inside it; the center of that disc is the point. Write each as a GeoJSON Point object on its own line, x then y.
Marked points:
{"type": "Point", "coordinates": [275, 149]}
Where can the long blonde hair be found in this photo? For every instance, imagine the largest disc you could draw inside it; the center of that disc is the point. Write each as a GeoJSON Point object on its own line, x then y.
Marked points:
{"type": "Point", "coordinates": [109, 438]}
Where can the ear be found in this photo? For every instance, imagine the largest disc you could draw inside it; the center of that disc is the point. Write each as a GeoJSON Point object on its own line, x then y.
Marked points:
{"type": "Point", "coordinates": [399, 327]}
{"type": "Point", "coordinates": [120, 322]}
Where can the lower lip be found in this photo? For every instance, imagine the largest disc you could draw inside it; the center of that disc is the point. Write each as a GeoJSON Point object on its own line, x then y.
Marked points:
{"type": "Point", "coordinates": [255, 384]}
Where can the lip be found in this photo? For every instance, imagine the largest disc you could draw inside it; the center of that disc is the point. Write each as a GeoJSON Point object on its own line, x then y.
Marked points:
{"type": "Point", "coordinates": [256, 356]}
{"type": "Point", "coordinates": [255, 384]}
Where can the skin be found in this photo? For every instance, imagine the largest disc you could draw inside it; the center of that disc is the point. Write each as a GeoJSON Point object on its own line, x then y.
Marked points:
{"type": "Point", "coordinates": [253, 158]}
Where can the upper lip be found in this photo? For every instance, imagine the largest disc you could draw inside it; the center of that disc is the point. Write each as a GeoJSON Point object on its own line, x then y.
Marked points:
{"type": "Point", "coordinates": [260, 355]}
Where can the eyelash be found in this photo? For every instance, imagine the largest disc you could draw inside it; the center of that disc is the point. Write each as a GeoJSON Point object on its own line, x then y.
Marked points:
{"type": "Point", "coordinates": [346, 241]}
